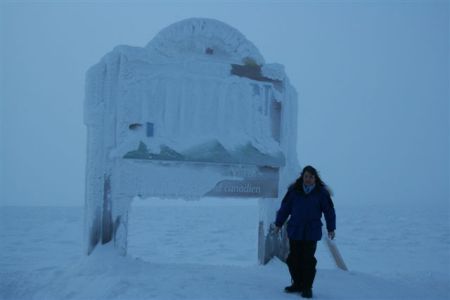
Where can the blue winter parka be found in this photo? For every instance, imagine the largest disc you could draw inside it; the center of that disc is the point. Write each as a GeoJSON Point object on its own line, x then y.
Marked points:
{"type": "Point", "coordinates": [305, 211]}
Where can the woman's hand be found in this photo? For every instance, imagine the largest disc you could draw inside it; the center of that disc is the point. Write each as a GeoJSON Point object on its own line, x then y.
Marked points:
{"type": "Point", "coordinates": [331, 235]}
{"type": "Point", "coordinates": [276, 229]}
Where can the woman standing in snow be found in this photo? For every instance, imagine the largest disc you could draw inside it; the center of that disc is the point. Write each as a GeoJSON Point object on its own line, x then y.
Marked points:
{"type": "Point", "coordinates": [305, 201]}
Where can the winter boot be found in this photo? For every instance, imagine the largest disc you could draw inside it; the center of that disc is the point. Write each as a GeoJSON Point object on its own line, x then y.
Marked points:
{"type": "Point", "coordinates": [293, 288]}
{"type": "Point", "coordinates": [307, 293]}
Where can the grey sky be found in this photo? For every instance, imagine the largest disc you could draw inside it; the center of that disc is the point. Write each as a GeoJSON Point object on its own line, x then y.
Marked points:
{"type": "Point", "coordinates": [372, 78]}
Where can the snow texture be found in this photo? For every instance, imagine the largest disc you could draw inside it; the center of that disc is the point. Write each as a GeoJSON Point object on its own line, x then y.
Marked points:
{"type": "Point", "coordinates": [205, 250]}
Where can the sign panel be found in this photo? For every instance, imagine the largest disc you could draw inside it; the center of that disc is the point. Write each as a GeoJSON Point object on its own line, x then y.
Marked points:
{"type": "Point", "coordinates": [174, 179]}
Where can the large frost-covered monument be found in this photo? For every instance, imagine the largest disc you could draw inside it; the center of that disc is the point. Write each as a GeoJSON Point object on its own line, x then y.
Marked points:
{"type": "Point", "coordinates": [196, 113]}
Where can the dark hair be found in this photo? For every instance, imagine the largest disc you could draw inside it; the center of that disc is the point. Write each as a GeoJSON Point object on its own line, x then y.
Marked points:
{"type": "Point", "coordinates": [298, 184]}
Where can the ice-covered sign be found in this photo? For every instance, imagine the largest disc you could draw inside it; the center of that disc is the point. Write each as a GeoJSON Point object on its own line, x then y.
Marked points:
{"type": "Point", "coordinates": [195, 113]}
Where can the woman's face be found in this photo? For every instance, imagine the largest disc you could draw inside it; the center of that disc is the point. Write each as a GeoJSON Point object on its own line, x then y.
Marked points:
{"type": "Point", "coordinates": [308, 178]}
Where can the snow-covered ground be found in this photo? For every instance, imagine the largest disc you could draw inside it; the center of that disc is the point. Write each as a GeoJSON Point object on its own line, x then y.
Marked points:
{"type": "Point", "coordinates": [207, 250]}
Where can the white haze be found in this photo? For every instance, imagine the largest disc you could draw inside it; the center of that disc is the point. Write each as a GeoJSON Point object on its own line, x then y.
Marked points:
{"type": "Point", "coordinates": [372, 79]}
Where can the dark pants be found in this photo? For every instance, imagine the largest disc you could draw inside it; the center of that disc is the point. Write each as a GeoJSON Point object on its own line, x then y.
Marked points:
{"type": "Point", "coordinates": [302, 263]}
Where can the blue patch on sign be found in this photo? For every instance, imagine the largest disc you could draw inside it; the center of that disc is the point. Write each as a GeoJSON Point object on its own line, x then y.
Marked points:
{"type": "Point", "coordinates": [150, 129]}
